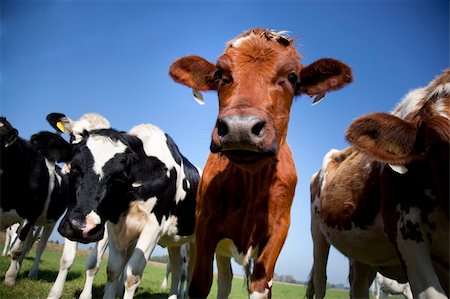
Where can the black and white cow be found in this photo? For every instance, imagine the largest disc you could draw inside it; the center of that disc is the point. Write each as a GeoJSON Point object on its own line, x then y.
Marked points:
{"type": "Point", "coordinates": [33, 191]}
{"type": "Point", "coordinates": [142, 187]}
{"type": "Point", "coordinates": [75, 128]}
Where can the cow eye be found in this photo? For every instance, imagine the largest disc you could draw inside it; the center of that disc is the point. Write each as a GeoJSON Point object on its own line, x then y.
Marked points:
{"type": "Point", "coordinates": [218, 74]}
{"type": "Point", "coordinates": [222, 77]}
{"type": "Point", "coordinates": [435, 151]}
{"type": "Point", "coordinates": [75, 169]}
{"type": "Point", "coordinates": [292, 77]}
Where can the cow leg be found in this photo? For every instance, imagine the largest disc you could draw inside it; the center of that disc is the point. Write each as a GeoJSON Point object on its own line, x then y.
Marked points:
{"type": "Point", "coordinates": [190, 266]}
{"type": "Point", "coordinates": [183, 284]}
{"type": "Point", "coordinates": [225, 276]}
{"type": "Point", "coordinates": [66, 261]}
{"type": "Point", "coordinates": [116, 262]}
{"type": "Point", "coordinates": [18, 253]}
{"type": "Point", "coordinates": [146, 242]}
{"type": "Point", "coordinates": [443, 274]}
{"type": "Point", "coordinates": [321, 248]}
{"type": "Point", "coordinates": [362, 278]}
{"type": "Point", "coordinates": [47, 230]}
{"type": "Point", "coordinates": [175, 270]}
{"type": "Point", "coordinates": [407, 292]}
{"type": "Point", "coordinates": [7, 241]}
{"type": "Point", "coordinates": [419, 269]}
{"type": "Point", "coordinates": [11, 236]}
{"type": "Point", "coordinates": [205, 243]}
{"type": "Point", "coordinates": [264, 266]}
{"type": "Point", "coordinates": [166, 277]}
{"type": "Point", "coordinates": [376, 288]}
{"type": "Point", "coordinates": [93, 264]}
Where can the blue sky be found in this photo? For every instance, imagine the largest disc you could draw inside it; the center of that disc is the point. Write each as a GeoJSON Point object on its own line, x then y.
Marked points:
{"type": "Point", "coordinates": [112, 57]}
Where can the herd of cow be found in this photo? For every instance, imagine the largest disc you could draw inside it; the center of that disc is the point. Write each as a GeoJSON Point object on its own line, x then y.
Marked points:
{"type": "Point", "coordinates": [383, 202]}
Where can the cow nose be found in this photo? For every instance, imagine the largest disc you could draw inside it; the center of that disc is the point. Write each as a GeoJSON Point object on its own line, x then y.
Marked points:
{"type": "Point", "coordinates": [76, 225]}
{"type": "Point", "coordinates": [241, 130]}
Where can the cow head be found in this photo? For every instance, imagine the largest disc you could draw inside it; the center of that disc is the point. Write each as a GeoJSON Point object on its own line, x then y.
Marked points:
{"type": "Point", "coordinates": [416, 136]}
{"type": "Point", "coordinates": [8, 134]}
{"type": "Point", "coordinates": [256, 79]}
{"type": "Point", "coordinates": [108, 170]}
{"type": "Point", "coordinates": [52, 146]}
{"type": "Point", "coordinates": [75, 128]}
{"type": "Point", "coordinates": [100, 182]}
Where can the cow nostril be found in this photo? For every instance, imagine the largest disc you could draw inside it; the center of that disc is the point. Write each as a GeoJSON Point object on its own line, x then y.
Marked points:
{"type": "Point", "coordinates": [75, 224]}
{"type": "Point", "coordinates": [258, 128]}
{"type": "Point", "coordinates": [222, 128]}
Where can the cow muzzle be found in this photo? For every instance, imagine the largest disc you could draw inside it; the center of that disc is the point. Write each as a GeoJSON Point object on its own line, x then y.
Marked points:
{"type": "Point", "coordinates": [82, 229]}
{"type": "Point", "coordinates": [244, 139]}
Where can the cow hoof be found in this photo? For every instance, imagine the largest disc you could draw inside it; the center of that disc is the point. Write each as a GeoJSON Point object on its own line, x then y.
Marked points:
{"type": "Point", "coordinates": [10, 281]}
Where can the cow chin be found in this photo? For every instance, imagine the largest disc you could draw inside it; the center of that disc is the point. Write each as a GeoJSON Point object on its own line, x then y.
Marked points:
{"type": "Point", "coordinates": [71, 230]}
{"type": "Point", "coordinates": [248, 159]}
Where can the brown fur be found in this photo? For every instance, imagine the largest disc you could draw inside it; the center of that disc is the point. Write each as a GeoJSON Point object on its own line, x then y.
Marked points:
{"type": "Point", "coordinates": [130, 225]}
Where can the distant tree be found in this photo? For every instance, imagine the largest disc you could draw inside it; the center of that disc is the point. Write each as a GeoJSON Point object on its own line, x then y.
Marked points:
{"type": "Point", "coordinates": [160, 258]}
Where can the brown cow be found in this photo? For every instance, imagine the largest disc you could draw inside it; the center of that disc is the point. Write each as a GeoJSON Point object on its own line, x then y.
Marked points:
{"type": "Point", "coordinates": [247, 187]}
{"type": "Point", "coordinates": [385, 221]}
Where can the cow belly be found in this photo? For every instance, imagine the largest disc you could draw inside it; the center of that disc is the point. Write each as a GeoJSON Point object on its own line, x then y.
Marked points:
{"type": "Point", "coordinates": [170, 236]}
{"type": "Point", "coordinates": [369, 246]}
{"type": "Point", "coordinates": [8, 218]}
{"type": "Point", "coordinates": [226, 247]}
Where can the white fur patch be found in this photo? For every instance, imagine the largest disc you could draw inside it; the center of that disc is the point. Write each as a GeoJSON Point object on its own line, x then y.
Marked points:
{"type": "Point", "coordinates": [237, 42]}
{"type": "Point", "coordinates": [93, 217]}
{"type": "Point", "coordinates": [226, 247]}
{"type": "Point", "coordinates": [411, 102]}
{"type": "Point", "coordinates": [92, 220]}
{"type": "Point", "coordinates": [88, 122]}
{"type": "Point", "coordinates": [323, 172]}
{"type": "Point", "coordinates": [273, 35]}
{"type": "Point", "coordinates": [441, 91]}
{"type": "Point", "coordinates": [103, 149]}
{"type": "Point", "coordinates": [258, 295]}
{"type": "Point", "coordinates": [440, 108]}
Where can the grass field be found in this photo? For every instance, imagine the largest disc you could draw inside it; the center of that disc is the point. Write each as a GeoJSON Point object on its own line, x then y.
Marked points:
{"type": "Point", "coordinates": [149, 288]}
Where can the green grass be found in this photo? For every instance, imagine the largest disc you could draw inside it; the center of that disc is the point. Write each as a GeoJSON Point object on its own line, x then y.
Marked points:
{"type": "Point", "coordinates": [149, 288]}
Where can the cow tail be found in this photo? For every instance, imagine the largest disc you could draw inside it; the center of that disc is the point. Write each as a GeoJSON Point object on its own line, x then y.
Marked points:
{"type": "Point", "coordinates": [248, 272]}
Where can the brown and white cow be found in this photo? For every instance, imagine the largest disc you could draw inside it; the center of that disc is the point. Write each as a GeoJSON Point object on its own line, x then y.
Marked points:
{"type": "Point", "coordinates": [247, 187]}
{"type": "Point", "coordinates": [386, 221]}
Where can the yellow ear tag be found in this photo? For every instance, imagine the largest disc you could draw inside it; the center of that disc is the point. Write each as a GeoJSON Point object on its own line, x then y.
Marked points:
{"type": "Point", "coordinates": [60, 126]}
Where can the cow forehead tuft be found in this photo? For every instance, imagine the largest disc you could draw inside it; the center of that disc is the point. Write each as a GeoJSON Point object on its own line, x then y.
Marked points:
{"type": "Point", "coordinates": [279, 36]}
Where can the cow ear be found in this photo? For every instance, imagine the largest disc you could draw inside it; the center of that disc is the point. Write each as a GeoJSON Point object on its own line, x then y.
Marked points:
{"type": "Point", "coordinates": [52, 146]}
{"type": "Point", "coordinates": [60, 122]}
{"type": "Point", "coordinates": [323, 75]}
{"type": "Point", "coordinates": [384, 137]}
{"type": "Point", "coordinates": [195, 72]}
{"type": "Point", "coordinates": [60, 150]}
